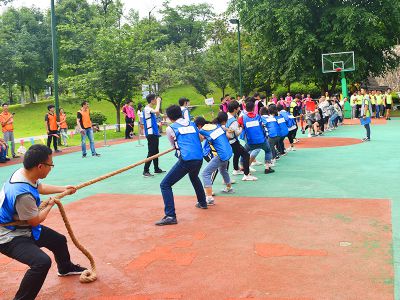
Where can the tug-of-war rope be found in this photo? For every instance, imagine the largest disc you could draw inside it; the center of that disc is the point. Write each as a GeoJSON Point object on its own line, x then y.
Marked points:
{"type": "Point", "coordinates": [90, 274]}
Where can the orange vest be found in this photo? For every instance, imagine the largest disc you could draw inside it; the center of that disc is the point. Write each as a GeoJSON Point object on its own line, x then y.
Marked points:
{"type": "Point", "coordinates": [86, 119]}
{"type": "Point", "coordinates": [4, 117]}
{"type": "Point", "coordinates": [63, 121]}
{"type": "Point", "coordinates": [52, 121]}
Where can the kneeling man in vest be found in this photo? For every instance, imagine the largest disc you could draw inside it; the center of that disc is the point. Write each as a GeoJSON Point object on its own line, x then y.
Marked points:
{"type": "Point", "coordinates": [20, 200]}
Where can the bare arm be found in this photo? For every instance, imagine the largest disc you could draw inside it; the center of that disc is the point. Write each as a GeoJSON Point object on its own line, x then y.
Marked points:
{"type": "Point", "coordinates": [156, 110]}
{"type": "Point", "coordinates": [42, 215]}
{"type": "Point", "coordinates": [46, 189]}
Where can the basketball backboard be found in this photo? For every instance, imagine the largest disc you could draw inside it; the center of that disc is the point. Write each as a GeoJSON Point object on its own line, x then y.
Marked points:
{"type": "Point", "coordinates": [336, 62]}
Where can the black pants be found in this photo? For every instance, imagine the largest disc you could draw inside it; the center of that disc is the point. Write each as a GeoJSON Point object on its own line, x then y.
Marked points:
{"type": "Point", "coordinates": [358, 109]}
{"type": "Point", "coordinates": [50, 137]}
{"type": "Point", "coordinates": [281, 145]}
{"type": "Point", "coordinates": [273, 144]}
{"type": "Point", "coordinates": [292, 135]}
{"type": "Point", "coordinates": [152, 144]}
{"type": "Point", "coordinates": [27, 251]}
{"type": "Point", "coordinates": [239, 151]}
{"type": "Point", "coordinates": [129, 127]}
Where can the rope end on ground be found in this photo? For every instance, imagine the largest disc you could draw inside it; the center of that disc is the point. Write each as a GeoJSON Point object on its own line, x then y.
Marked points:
{"type": "Point", "coordinates": [88, 276]}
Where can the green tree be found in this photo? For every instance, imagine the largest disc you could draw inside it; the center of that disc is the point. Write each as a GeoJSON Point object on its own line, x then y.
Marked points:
{"type": "Point", "coordinates": [290, 36]}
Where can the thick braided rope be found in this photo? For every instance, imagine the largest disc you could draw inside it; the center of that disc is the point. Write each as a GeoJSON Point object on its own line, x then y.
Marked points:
{"type": "Point", "coordinates": [88, 275]}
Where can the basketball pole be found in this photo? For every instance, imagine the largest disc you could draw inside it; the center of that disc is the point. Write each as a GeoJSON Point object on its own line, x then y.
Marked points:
{"type": "Point", "coordinates": [347, 107]}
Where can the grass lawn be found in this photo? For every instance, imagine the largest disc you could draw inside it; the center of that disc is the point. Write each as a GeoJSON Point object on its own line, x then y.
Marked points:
{"type": "Point", "coordinates": [29, 120]}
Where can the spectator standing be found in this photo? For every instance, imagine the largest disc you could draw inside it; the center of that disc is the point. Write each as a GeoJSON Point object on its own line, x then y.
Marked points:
{"type": "Point", "coordinates": [50, 120]}
{"type": "Point", "coordinates": [63, 127]}
{"type": "Point", "coordinates": [85, 128]}
{"type": "Point", "coordinates": [129, 113]}
{"type": "Point", "coordinates": [7, 126]}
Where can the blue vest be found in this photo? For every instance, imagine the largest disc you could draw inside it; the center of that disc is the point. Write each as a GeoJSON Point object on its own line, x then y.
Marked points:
{"type": "Point", "coordinates": [183, 113]}
{"type": "Point", "coordinates": [283, 129]}
{"type": "Point", "coordinates": [218, 139]}
{"type": "Point", "coordinates": [207, 149]}
{"type": "Point", "coordinates": [7, 210]}
{"type": "Point", "coordinates": [289, 119]}
{"type": "Point", "coordinates": [255, 133]}
{"type": "Point", "coordinates": [187, 142]}
{"type": "Point", "coordinates": [229, 123]}
{"type": "Point", "coordinates": [154, 124]}
{"type": "Point", "coordinates": [271, 125]}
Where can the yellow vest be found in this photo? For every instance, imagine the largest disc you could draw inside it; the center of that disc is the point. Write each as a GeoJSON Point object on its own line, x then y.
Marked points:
{"type": "Point", "coordinates": [388, 99]}
{"type": "Point", "coordinates": [373, 99]}
{"type": "Point", "coordinates": [379, 99]}
{"type": "Point", "coordinates": [359, 99]}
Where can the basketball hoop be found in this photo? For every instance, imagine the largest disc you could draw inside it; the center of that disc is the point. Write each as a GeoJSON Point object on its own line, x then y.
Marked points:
{"type": "Point", "coordinates": [338, 69]}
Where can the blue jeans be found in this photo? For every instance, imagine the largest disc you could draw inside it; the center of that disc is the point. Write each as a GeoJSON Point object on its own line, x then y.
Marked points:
{"type": "Point", "coordinates": [264, 146]}
{"type": "Point", "coordinates": [3, 154]}
{"type": "Point", "coordinates": [178, 171]}
{"type": "Point", "coordinates": [89, 133]}
{"type": "Point", "coordinates": [377, 109]}
{"type": "Point", "coordinates": [332, 120]}
{"type": "Point", "coordinates": [215, 164]}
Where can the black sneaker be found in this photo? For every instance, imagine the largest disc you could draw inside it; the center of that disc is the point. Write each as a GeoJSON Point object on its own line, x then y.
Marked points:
{"type": "Point", "coordinates": [147, 174]}
{"type": "Point", "coordinates": [7, 159]}
{"type": "Point", "coordinates": [96, 154]}
{"type": "Point", "coordinates": [159, 171]}
{"type": "Point", "coordinates": [57, 151]}
{"type": "Point", "coordinates": [83, 155]}
{"type": "Point", "coordinates": [198, 205]}
{"type": "Point", "coordinates": [71, 270]}
{"type": "Point", "coordinates": [269, 171]}
{"type": "Point", "coordinates": [15, 156]}
{"type": "Point", "coordinates": [2, 161]}
{"type": "Point", "coordinates": [167, 221]}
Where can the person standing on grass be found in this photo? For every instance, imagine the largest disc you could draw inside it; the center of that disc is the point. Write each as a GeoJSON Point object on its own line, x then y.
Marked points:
{"type": "Point", "coordinates": [63, 127]}
{"type": "Point", "coordinates": [20, 201]}
{"type": "Point", "coordinates": [50, 120]}
{"type": "Point", "coordinates": [7, 126]}
{"type": "Point", "coordinates": [150, 113]}
{"type": "Point", "coordinates": [129, 113]}
{"type": "Point", "coordinates": [85, 128]}
{"type": "Point", "coordinates": [184, 136]}
{"type": "Point", "coordinates": [184, 103]}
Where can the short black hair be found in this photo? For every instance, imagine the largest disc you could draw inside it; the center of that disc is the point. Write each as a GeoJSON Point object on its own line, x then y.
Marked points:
{"type": "Point", "coordinates": [128, 101]}
{"type": "Point", "coordinates": [233, 105]}
{"type": "Point", "coordinates": [4, 104]}
{"type": "Point", "coordinates": [36, 155]}
{"type": "Point", "coordinates": [182, 101]}
{"type": "Point", "coordinates": [256, 95]}
{"type": "Point", "coordinates": [273, 109]}
{"type": "Point", "coordinates": [249, 106]}
{"type": "Point", "coordinates": [84, 102]}
{"type": "Point", "coordinates": [227, 95]}
{"type": "Point", "coordinates": [263, 111]}
{"type": "Point", "coordinates": [279, 107]}
{"type": "Point", "coordinates": [150, 97]}
{"type": "Point", "coordinates": [174, 112]}
{"type": "Point", "coordinates": [200, 121]}
{"type": "Point", "coordinates": [222, 117]}
{"type": "Point", "coordinates": [50, 106]}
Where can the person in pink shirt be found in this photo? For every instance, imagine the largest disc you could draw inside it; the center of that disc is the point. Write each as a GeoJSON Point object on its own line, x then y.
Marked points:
{"type": "Point", "coordinates": [288, 100]}
{"type": "Point", "coordinates": [129, 113]}
{"type": "Point", "coordinates": [274, 99]}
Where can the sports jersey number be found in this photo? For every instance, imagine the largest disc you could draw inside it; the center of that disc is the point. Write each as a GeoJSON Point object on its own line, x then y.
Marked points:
{"type": "Point", "coordinates": [186, 130]}
{"type": "Point", "coordinates": [252, 124]}
{"type": "Point", "coordinates": [217, 133]}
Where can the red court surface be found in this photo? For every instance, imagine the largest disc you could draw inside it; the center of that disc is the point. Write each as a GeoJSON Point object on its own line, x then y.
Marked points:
{"type": "Point", "coordinates": [241, 248]}
{"type": "Point", "coordinates": [380, 121]}
{"type": "Point", "coordinates": [324, 142]}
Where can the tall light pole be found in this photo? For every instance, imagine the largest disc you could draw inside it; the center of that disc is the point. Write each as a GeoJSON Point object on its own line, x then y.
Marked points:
{"type": "Point", "coordinates": [55, 58]}
{"type": "Point", "coordinates": [236, 21]}
{"type": "Point", "coordinates": [148, 54]}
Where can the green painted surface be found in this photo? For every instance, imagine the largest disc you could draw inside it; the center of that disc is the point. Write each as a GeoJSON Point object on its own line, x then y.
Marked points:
{"type": "Point", "coordinates": [367, 170]}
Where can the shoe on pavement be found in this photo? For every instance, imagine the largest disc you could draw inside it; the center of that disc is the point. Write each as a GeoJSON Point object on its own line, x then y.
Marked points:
{"type": "Point", "coordinates": [159, 171]}
{"type": "Point", "coordinates": [269, 171]}
{"type": "Point", "coordinates": [252, 169]}
{"type": "Point", "coordinates": [249, 178]}
{"type": "Point", "coordinates": [237, 172]}
{"type": "Point", "coordinates": [227, 190]}
{"type": "Point", "coordinates": [15, 156]}
{"type": "Point", "coordinates": [71, 270]}
{"type": "Point", "coordinates": [167, 220]}
{"type": "Point", "coordinates": [57, 151]}
{"type": "Point", "coordinates": [83, 155]}
{"type": "Point", "coordinates": [210, 201]}
{"type": "Point", "coordinates": [198, 205]}
{"type": "Point", "coordinates": [309, 135]}
{"type": "Point", "coordinates": [96, 154]}
{"type": "Point", "coordinates": [147, 174]}
{"type": "Point", "coordinates": [256, 163]}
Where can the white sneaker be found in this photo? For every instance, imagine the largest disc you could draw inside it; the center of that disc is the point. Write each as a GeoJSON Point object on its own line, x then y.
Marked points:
{"type": "Point", "coordinates": [293, 149]}
{"type": "Point", "coordinates": [309, 135]}
{"type": "Point", "coordinates": [233, 181]}
{"type": "Point", "coordinates": [210, 200]}
{"type": "Point", "coordinates": [228, 190]}
{"type": "Point", "coordinates": [252, 169]}
{"type": "Point", "coordinates": [288, 149]}
{"type": "Point", "coordinates": [237, 172]}
{"type": "Point", "coordinates": [256, 163]}
{"type": "Point", "coordinates": [249, 178]}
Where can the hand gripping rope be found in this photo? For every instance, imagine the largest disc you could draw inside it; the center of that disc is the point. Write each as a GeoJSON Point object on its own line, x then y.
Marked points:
{"type": "Point", "coordinates": [90, 274]}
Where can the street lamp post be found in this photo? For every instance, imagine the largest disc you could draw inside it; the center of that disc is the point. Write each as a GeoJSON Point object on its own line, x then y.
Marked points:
{"type": "Point", "coordinates": [236, 21]}
{"type": "Point", "coordinates": [148, 53]}
{"type": "Point", "coordinates": [55, 58]}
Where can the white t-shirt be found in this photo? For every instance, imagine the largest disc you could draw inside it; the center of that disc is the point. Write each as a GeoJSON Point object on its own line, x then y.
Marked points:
{"type": "Point", "coordinates": [147, 118]}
